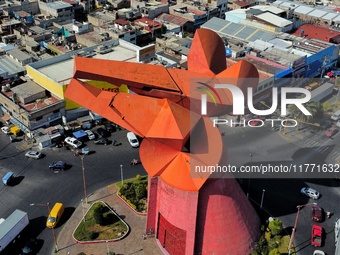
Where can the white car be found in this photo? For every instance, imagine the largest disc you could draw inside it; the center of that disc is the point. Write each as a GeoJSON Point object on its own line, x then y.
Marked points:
{"type": "Point", "coordinates": [132, 138]}
{"type": "Point", "coordinates": [73, 142]}
{"type": "Point", "coordinates": [309, 192]}
{"type": "Point", "coordinates": [90, 134]}
{"type": "Point", "coordinates": [6, 130]}
{"type": "Point", "coordinates": [318, 252]}
{"type": "Point", "coordinates": [33, 154]}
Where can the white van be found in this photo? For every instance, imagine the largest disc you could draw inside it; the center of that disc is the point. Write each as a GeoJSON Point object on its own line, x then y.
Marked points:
{"type": "Point", "coordinates": [336, 115]}
{"type": "Point", "coordinates": [132, 139]}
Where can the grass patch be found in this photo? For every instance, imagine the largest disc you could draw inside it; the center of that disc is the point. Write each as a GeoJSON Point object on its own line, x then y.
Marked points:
{"type": "Point", "coordinates": [134, 192]}
{"type": "Point", "coordinates": [100, 224]}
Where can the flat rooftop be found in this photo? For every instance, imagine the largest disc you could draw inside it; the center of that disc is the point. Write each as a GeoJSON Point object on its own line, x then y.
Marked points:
{"type": "Point", "coordinates": [62, 71]}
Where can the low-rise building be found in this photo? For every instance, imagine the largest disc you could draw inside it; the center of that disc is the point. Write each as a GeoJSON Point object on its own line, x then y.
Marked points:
{"type": "Point", "coordinates": [30, 106]}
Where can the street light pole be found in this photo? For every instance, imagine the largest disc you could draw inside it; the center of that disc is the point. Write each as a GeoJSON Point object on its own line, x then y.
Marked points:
{"type": "Point", "coordinates": [49, 211]}
{"type": "Point", "coordinates": [121, 174]}
{"type": "Point", "coordinates": [251, 161]}
{"type": "Point", "coordinates": [82, 205]}
{"type": "Point", "coordinates": [291, 241]}
{"type": "Point", "coordinates": [83, 171]}
{"type": "Point", "coordinates": [263, 191]}
{"type": "Point", "coordinates": [107, 246]}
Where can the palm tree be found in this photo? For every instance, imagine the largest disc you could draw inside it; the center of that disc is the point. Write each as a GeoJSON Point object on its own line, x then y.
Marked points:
{"type": "Point", "coordinates": [315, 108]}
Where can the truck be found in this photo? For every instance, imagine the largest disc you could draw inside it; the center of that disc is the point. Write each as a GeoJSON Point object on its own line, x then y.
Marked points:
{"type": "Point", "coordinates": [11, 228]}
{"type": "Point", "coordinates": [317, 233]}
{"type": "Point", "coordinates": [321, 92]}
{"type": "Point", "coordinates": [337, 237]}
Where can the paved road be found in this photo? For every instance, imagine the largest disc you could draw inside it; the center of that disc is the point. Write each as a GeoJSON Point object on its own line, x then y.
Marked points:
{"type": "Point", "coordinates": [38, 184]}
{"type": "Point", "coordinates": [281, 196]}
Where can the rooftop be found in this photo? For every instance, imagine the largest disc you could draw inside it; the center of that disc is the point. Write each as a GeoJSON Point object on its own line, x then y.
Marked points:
{"type": "Point", "coordinates": [316, 32]}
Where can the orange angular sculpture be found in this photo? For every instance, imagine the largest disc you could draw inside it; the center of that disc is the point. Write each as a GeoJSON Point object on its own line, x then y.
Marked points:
{"type": "Point", "coordinates": [189, 212]}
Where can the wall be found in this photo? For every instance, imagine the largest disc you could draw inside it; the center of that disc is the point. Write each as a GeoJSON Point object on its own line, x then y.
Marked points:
{"type": "Point", "coordinates": [180, 209]}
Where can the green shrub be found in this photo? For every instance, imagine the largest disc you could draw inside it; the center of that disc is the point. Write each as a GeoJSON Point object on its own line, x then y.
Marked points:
{"type": "Point", "coordinates": [98, 215]}
{"type": "Point", "coordinates": [274, 252]}
{"type": "Point", "coordinates": [138, 177]}
{"type": "Point", "coordinates": [111, 253]}
{"type": "Point", "coordinates": [275, 227]}
{"type": "Point", "coordinates": [92, 235]}
{"type": "Point", "coordinates": [267, 235]}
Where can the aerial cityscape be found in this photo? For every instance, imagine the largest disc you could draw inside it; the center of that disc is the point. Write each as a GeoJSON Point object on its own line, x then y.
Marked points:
{"type": "Point", "coordinates": [170, 127]}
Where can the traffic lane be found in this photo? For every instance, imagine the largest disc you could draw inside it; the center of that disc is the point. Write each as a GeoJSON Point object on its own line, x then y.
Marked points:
{"type": "Point", "coordinates": [42, 185]}
{"type": "Point", "coordinates": [281, 196]}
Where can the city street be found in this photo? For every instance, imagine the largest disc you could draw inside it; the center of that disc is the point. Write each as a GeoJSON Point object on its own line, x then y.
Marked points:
{"type": "Point", "coordinates": [246, 146]}
{"type": "Point", "coordinates": [38, 184]}
{"type": "Point", "coordinates": [282, 195]}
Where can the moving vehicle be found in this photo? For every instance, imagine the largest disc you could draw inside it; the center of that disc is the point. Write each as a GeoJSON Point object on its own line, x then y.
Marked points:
{"type": "Point", "coordinates": [55, 215]}
{"type": "Point", "coordinates": [8, 178]}
{"type": "Point", "coordinates": [11, 228]}
{"type": "Point", "coordinates": [336, 116]}
{"type": "Point", "coordinates": [132, 139]}
{"type": "Point", "coordinates": [30, 246]}
{"type": "Point", "coordinates": [331, 132]}
{"type": "Point", "coordinates": [73, 142]}
{"type": "Point", "coordinates": [90, 134]}
{"type": "Point", "coordinates": [33, 154]}
{"type": "Point", "coordinates": [102, 140]}
{"type": "Point", "coordinates": [309, 192]}
{"type": "Point", "coordinates": [317, 213]}
{"type": "Point", "coordinates": [317, 235]}
{"type": "Point", "coordinates": [321, 92]}
{"type": "Point", "coordinates": [60, 165]}
{"type": "Point", "coordinates": [318, 252]}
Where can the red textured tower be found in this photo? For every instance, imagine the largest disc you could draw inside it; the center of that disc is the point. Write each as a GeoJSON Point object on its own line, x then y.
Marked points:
{"type": "Point", "coordinates": [190, 213]}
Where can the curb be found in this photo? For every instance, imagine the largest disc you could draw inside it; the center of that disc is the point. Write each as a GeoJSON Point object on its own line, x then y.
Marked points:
{"type": "Point", "coordinates": [138, 213]}
{"type": "Point", "coordinates": [102, 241]}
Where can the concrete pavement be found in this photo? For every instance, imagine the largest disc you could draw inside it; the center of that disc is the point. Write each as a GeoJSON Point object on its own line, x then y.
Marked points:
{"type": "Point", "coordinates": [133, 243]}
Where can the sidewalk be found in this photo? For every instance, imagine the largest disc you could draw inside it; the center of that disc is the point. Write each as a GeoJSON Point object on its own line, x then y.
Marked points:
{"type": "Point", "coordinates": [133, 243]}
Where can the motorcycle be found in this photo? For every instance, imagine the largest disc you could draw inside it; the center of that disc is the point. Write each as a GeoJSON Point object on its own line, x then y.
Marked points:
{"type": "Point", "coordinates": [135, 162]}
{"type": "Point", "coordinates": [115, 143]}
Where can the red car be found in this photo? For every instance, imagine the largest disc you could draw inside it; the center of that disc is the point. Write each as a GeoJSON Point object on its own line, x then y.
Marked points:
{"type": "Point", "coordinates": [317, 235]}
{"type": "Point", "coordinates": [317, 213]}
{"type": "Point", "coordinates": [256, 122]}
{"type": "Point", "coordinates": [331, 132]}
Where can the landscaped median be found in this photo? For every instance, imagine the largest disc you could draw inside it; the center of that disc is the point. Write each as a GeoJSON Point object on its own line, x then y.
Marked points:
{"type": "Point", "coordinates": [100, 224]}
{"type": "Point", "coordinates": [133, 193]}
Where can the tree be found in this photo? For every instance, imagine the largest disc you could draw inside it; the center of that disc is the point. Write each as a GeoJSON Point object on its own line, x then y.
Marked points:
{"type": "Point", "coordinates": [315, 108]}
{"type": "Point", "coordinates": [275, 227]}
{"type": "Point", "coordinates": [274, 252]}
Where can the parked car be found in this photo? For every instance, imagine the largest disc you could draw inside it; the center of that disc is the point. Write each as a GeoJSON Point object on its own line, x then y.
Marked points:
{"type": "Point", "coordinates": [317, 213]}
{"type": "Point", "coordinates": [6, 130]}
{"type": "Point", "coordinates": [309, 192]}
{"type": "Point", "coordinates": [331, 132]}
{"type": "Point", "coordinates": [73, 142]}
{"type": "Point", "coordinates": [318, 252]}
{"type": "Point", "coordinates": [132, 138]}
{"type": "Point", "coordinates": [110, 127]}
{"type": "Point", "coordinates": [90, 134]}
{"type": "Point", "coordinates": [33, 154]}
{"type": "Point", "coordinates": [102, 140]}
{"type": "Point", "coordinates": [317, 235]}
{"type": "Point", "coordinates": [103, 132]}
{"type": "Point", "coordinates": [60, 165]}
{"type": "Point", "coordinates": [30, 246]}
